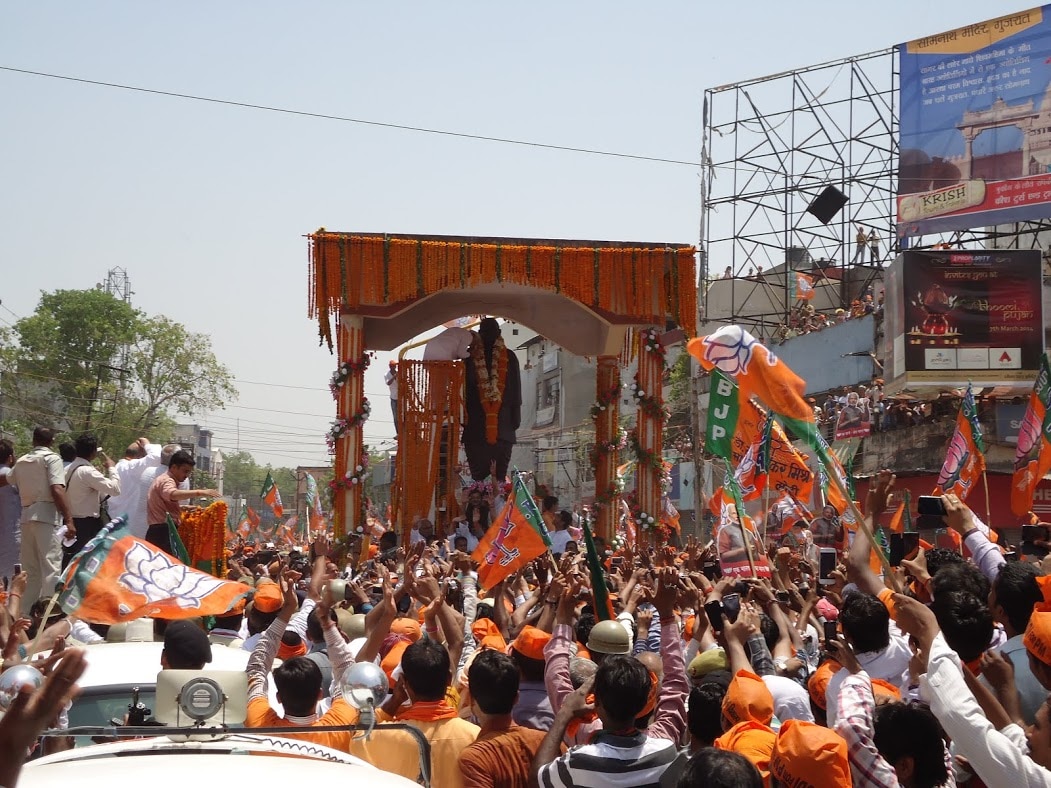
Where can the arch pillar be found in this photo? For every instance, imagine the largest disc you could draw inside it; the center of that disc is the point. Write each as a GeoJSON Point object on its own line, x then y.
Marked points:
{"type": "Point", "coordinates": [605, 455]}
{"type": "Point", "coordinates": [650, 425]}
{"type": "Point", "coordinates": [350, 407]}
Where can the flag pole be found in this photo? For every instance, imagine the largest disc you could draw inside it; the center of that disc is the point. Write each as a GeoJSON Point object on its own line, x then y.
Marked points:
{"type": "Point", "coordinates": [867, 531]}
{"type": "Point", "coordinates": [43, 625]}
{"type": "Point", "coordinates": [988, 505]}
{"type": "Point", "coordinates": [740, 519]}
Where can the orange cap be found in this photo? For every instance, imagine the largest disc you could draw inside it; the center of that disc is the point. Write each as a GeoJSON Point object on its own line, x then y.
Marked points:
{"type": "Point", "coordinates": [393, 658]}
{"type": "Point", "coordinates": [408, 627]}
{"type": "Point", "coordinates": [487, 634]}
{"type": "Point", "coordinates": [267, 597]}
{"type": "Point", "coordinates": [752, 740]}
{"type": "Point", "coordinates": [374, 550]}
{"type": "Point", "coordinates": [884, 690]}
{"type": "Point", "coordinates": [819, 679]}
{"type": "Point", "coordinates": [1037, 639]}
{"type": "Point", "coordinates": [809, 754]}
{"type": "Point", "coordinates": [747, 698]}
{"type": "Point", "coordinates": [531, 641]}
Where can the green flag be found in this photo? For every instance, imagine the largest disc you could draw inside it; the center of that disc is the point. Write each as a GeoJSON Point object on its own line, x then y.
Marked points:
{"type": "Point", "coordinates": [603, 604]}
{"type": "Point", "coordinates": [178, 548]}
{"type": "Point", "coordinates": [723, 411]}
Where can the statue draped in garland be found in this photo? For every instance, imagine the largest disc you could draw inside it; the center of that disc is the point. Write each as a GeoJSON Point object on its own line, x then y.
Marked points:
{"type": "Point", "coordinates": [493, 395]}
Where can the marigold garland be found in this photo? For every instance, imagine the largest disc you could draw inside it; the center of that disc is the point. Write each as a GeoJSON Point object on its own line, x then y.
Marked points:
{"type": "Point", "coordinates": [604, 401]}
{"type": "Point", "coordinates": [354, 477]}
{"type": "Point", "coordinates": [344, 372]}
{"type": "Point", "coordinates": [491, 383]}
{"type": "Point", "coordinates": [340, 427]}
{"type": "Point", "coordinates": [203, 532]}
{"type": "Point", "coordinates": [651, 340]}
{"type": "Point", "coordinates": [645, 520]}
{"type": "Point", "coordinates": [645, 283]}
{"type": "Point", "coordinates": [649, 404]}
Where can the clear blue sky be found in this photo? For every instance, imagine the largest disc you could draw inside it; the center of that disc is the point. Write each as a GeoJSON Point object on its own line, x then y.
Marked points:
{"type": "Point", "coordinates": [205, 206]}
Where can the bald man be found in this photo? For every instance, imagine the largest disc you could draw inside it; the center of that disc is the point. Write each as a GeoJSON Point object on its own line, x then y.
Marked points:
{"type": "Point", "coordinates": [139, 456]}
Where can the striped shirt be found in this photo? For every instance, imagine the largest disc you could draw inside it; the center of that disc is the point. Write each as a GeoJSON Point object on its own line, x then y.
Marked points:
{"type": "Point", "coordinates": [611, 761]}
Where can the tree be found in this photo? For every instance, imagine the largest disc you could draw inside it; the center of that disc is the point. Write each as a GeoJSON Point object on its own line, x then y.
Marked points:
{"type": "Point", "coordinates": [65, 354]}
{"type": "Point", "coordinates": [86, 360]}
{"type": "Point", "coordinates": [175, 370]}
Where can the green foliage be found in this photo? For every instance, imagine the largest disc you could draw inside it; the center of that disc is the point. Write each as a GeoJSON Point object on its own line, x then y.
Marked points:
{"type": "Point", "coordinates": [175, 370]}
{"type": "Point", "coordinates": [86, 360]}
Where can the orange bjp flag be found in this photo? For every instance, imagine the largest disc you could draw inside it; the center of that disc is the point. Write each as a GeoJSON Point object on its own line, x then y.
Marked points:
{"type": "Point", "coordinates": [804, 287]}
{"type": "Point", "coordinates": [515, 538]}
{"type": "Point", "coordinates": [1033, 455]}
{"type": "Point", "coordinates": [964, 462]}
{"type": "Point", "coordinates": [117, 578]}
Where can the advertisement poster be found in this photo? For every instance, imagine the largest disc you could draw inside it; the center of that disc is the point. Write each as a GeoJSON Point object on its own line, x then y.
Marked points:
{"type": "Point", "coordinates": [975, 125]}
{"type": "Point", "coordinates": [968, 317]}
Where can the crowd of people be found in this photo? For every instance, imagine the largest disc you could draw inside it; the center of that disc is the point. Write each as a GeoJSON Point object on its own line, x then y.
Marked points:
{"type": "Point", "coordinates": [654, 671]}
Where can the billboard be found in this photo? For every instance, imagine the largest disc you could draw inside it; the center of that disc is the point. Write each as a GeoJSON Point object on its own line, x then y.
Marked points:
{"type": "Point", "coordinates": [975, 125]}
{"type": "Point", "coordinates": [955, 317]}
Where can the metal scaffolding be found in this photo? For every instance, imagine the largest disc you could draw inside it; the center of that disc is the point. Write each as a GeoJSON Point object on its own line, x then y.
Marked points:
{"type": "Point", "coordinates": [770, 147]}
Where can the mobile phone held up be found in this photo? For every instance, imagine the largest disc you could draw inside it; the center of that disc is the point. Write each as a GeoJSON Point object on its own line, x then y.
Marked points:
{"type": "Point", "coordinates": [826, 566]}
{"type": "Point", "coordinates": [732, 607]}
{"type": "Point", "coordinates": [930, 505]}
{"type": "Point", "coordinates": [902, 546]}
{"type": "Point", "coordinates": [831, 632]}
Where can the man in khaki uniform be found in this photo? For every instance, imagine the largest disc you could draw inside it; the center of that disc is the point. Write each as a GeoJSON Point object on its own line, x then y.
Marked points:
{"type": "Point", "coordinates": [41, 482]}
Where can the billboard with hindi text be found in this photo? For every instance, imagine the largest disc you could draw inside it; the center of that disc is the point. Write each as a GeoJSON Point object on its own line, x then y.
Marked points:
{"type": "Point", "coordinates": [954, 317]}
{"type": "Point", "coordinates": [975, 125]}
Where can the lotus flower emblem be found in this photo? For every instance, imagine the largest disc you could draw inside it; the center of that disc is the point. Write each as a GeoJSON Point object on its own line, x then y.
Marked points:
{"type": "Point", "coordinates": [158, 578]}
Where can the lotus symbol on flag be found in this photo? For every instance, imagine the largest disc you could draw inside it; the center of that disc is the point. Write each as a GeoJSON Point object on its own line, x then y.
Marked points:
{"type": "Point", "coordinates": [1028, 440]}
{"type": "Point", "coordinates": [957, 460]}
{"type": "Point", "coordinates": [745, 475]}
{"type": "Point", "coordinates": [730, 349]}
{"type": "Point", "coordinates": [154, 575]}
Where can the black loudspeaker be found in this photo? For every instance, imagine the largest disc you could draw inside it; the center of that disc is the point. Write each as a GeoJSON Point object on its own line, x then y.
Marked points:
{"type": "Point", "coordinates": [827, 204]}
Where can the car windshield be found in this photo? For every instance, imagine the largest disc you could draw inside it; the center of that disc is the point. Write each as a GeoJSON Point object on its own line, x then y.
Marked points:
{"type": "Point", "coordinates": [98, 705]}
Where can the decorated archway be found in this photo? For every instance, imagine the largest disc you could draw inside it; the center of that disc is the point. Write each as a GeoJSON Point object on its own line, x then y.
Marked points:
{"type": "Point", "coordinates": [376, 291]}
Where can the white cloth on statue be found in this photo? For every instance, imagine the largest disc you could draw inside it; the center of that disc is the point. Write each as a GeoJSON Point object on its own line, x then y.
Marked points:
{"type": "Point", "coordinates": [128, 474]}
{"type": "Point", "coordinates": [450, 345]}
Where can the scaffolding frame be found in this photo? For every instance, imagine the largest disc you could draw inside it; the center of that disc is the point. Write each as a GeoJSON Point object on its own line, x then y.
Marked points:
{"type": "Point", "coordinates": [770, 146]}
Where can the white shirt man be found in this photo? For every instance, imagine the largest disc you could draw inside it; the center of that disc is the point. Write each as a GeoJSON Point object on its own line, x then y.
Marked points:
{"type": "Point", "coordinates": [129, 471]}
{"type": "Point", "coordinates": [137, 522]}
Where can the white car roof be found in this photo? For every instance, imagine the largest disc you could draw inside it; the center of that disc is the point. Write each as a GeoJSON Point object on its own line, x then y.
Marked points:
{"type": "Point", "coordinates": [139, 663]}
{"type": "Point", "coordinates": [173, 762]}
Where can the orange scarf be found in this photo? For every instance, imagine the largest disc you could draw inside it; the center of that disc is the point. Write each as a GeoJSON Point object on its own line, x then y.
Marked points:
{"type": "Point", "coordinates": [428, 711]}
{"type": "Point", "coordinates": [285, 651]}
{"type": "Point", "coordinates": [576, 722]}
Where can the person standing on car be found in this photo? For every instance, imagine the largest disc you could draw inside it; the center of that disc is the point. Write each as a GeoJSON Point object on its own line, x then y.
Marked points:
{"type": "Point", "coordinates": [165, 498]}
{"type": "Point", "coordinates": [41, 482]}
{"type": "Point", "coordinates": [87, 488]}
